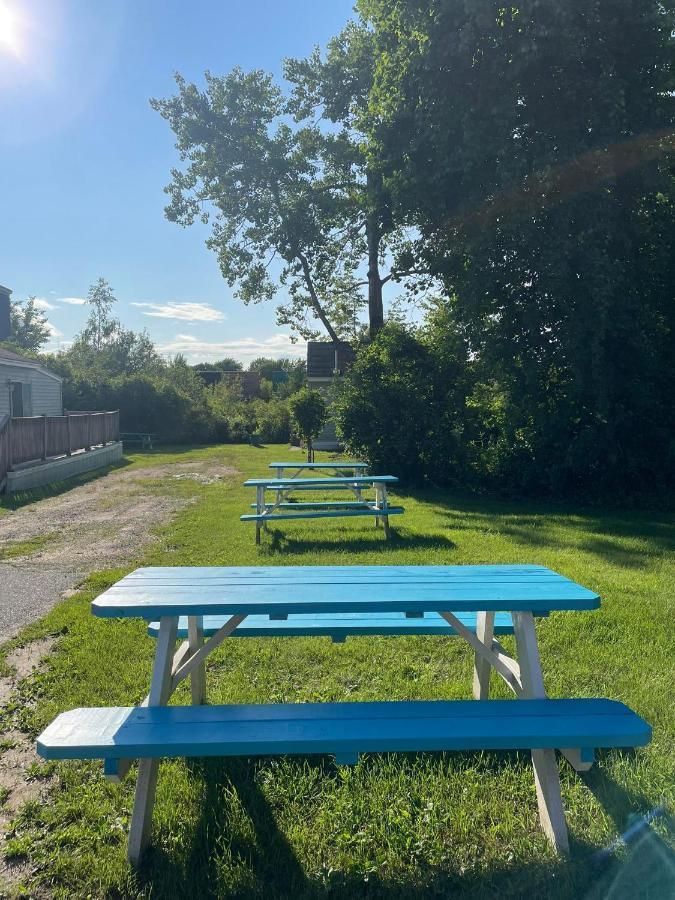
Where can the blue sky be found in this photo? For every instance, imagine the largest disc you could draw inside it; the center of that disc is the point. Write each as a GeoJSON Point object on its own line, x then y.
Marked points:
{"type": "Point", "coordinates": [84, 160]}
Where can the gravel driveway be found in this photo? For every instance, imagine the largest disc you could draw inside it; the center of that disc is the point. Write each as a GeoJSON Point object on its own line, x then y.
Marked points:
{"type": "Point", "coordinates": [104, 523]}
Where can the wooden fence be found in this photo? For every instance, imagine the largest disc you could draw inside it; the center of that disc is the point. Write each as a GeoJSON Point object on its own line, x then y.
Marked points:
{"type": "Point", "coordinates": [41, 437]}
{"type": "Point", "coordinates": [4, 450]}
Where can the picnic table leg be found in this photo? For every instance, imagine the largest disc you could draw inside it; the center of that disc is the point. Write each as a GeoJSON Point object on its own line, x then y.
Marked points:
{"type": "Point", "coordinates": [546, 775]}
{"type": "Point", "coordinates": [198, 676]}
{"type": "Point", "coordinates": [385, 503]}
{"type": "Point", "coordinates": [146, 785]}
{"type": "Point", "coordinates": [481, 668]}
{"type": "Point", "coordinates": [377, 505]}
{"type": "Point", "coordinates": [260, 509]}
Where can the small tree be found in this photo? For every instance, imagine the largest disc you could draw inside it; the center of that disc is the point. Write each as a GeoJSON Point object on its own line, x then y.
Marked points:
{"type": "Point", "coordinates": [309, 413]}
{"type": "Point", "coordinates": [29, 326]}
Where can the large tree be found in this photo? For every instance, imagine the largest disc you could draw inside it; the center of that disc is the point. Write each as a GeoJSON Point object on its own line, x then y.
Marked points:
{"type": "Point", "coordinates": [286, 181]}
{"type": "Point", "coordinates": [531, 146]}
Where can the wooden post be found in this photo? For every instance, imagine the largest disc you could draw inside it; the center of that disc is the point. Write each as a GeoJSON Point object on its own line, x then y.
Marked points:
{"type": "Point", "coordinates": [546, 775]}
{"type": "Point", "coordinates": [146, 785]}
{"type": "Point", "coordinates": [481, 667]}
{"type": "Point", "coordinates": [44, 437]}
{"type": "Point", "coordinates": [88, 447]}
{"type": "Point", "coordinates": [198, 676]}
{"type": "Point", "coordinates": [385, 504]}
{"type": "Point", "coordinates": [259, 508]}
{"type": "Point", "coordinates": [70, 441]}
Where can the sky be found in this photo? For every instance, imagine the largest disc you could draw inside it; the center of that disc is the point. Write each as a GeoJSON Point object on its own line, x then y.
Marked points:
{"type": "Point", "coordinates": [84, 160]}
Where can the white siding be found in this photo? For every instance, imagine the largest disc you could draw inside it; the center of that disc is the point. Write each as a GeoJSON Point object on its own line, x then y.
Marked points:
{"type": "Point", "coordinates": [45, 389]}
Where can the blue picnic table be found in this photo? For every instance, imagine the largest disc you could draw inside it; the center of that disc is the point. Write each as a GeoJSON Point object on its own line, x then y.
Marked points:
{"type": "Point", "coordinates": [281, 507]}
{"type": "Point", "coordinates": [337, 467]}
{"type": "Point", "coordinates": [469, 600]}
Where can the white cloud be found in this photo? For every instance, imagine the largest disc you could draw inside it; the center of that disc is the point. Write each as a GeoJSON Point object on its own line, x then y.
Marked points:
{"type": "Point", "coordinates": [53, 330]}
{"type": "Point", "coordinates": [186, 312]}
{"type": "Point", "coordinates": [72, 301]}
{"type": "Point", "coordinates": [243, 349]}
{"type": "Point", "coordinates": [41, 303]}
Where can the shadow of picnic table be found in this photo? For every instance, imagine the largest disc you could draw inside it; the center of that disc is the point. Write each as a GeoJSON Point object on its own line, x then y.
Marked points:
{"type": "Point", "coordinates": [239, 849]}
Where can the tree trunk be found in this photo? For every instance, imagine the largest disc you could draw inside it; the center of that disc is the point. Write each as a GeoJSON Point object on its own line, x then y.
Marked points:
{"type": "Point", "coordinates": [373, 234]}
{"type": "Point", "coordinates": [316, 303]}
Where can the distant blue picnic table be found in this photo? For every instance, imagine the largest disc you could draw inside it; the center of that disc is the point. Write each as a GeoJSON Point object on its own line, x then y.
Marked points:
{"type": "Point", "coordinates": [337, 467]}
{"type": "Point", "coordinates": [284, 508]}
{"type": "Point", "coordinates": [173, 595]}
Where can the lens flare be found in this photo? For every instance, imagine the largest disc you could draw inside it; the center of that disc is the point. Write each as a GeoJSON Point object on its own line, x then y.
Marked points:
{"type": "Point", "coordinates": [10, 38]}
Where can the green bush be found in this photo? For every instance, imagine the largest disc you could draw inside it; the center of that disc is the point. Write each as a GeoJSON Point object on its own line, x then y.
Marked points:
{"type": "Point", "coordinates": [399, 407]}
{"type": "Point", "coordinates": [309, 414]}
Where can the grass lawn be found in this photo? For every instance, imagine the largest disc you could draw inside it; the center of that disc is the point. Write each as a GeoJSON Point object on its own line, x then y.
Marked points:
{"type": "Point", "coordinates": [396, 826]}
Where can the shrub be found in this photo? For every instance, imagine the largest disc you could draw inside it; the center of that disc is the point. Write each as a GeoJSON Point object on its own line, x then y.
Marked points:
{"type": "Point", "coordinates": [309, 414]}
{"type": "Point", "coordinates": [399, 408]}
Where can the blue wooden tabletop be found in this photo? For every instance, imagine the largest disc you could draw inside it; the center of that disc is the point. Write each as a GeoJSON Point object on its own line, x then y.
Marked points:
{"type": "Point", "coordinates": [321, 482]}
{"type": "Point", "coordinates": [151, 593]}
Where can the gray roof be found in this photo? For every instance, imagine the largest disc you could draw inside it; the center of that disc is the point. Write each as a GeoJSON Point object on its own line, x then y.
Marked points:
{"type": "Point", "coordinates": [9, 356]}
{"type": "Point", "coordinates": [16, 357]}
{"type": "Point", "coordinates": [321, 358]}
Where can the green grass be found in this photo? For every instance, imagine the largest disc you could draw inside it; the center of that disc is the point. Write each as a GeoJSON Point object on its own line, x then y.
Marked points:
{"type": "Point", "coordinates": [393, 826]}
{"type": "Point", "coordinates": [15, 549]}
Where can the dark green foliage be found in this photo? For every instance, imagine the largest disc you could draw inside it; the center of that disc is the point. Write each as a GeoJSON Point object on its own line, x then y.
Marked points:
{"type": "Point", "coordinates": [400, 408]}
{"type": "Point", "coordinates": [531, 147]}
{"type": "Point", "coordinates": [309, 414]}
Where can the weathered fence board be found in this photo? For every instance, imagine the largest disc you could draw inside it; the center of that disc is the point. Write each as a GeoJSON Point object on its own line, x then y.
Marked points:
{"type": "Point", "coordinates": [41, 437]}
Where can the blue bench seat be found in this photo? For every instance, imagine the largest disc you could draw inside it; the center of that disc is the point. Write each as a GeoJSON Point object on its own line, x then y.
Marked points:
{"type": "Point", "coordinates": [323, 514]}
{"type": "Point", "coordinates": [343, 729]}
{"type": "Point", "coordinates": [339, 626]}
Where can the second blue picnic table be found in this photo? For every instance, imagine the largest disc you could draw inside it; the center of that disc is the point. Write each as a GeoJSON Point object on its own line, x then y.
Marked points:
{"type": "Point", "coordinates": [283, 507]}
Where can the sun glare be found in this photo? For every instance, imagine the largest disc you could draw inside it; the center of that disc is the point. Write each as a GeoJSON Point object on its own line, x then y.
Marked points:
{"type": "Point", "coordinates": [9, 30]}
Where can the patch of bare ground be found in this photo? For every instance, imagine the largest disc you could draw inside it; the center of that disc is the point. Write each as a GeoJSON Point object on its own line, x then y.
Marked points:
{"type": "Point", "coordinates": [100, 524]}
{"type": "Point", "coordinates": [18, 756]}
{"type": "Point", "coordinates": [104, 523]}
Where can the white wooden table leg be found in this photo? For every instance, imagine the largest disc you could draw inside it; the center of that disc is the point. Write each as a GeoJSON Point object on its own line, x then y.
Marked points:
{"type": "Point", "coordinates": [485, 625]}
{"type": "Point", "coordinates": [260, 509]}
{"type": "Point", "coordinates": [198, 676]}
{"type": "Point", "coordinates": [546, 775]}
{"type": "Point", "coordinates": [385, 503]}
{"type": "Point", "coordinates": [146, 785]}
{"type": "Point", "coordinates": [377, 504]}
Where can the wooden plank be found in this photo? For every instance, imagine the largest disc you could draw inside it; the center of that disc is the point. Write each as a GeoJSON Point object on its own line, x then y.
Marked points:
{"type": "Point", "coordinates": [464, 572]}
{"type": "Point", "coordinates": [546, 775]}
{"type": "Point", "coordinates": [138, 598]}
{"type": "Point", "coordinates": [320, 514]}
{"type": "Point", "coordinates": [485, 628]}
{"type": "Point", "coordinates": [146, 784]}
{"type": "Point", "coordinates": [274, 483]}
{"type": "Point", "coordinates": [341, 625]}
{"type": "Point", "coordinates": [347, 464]}
{"type": "Point", "coordinates": [505, 665]}
{"type": "Point", "coordinates": [388, 726]}
{"type": "Point", "coordinates": [198, 677]}
{"type": "Point", "coordinates": [319, 504]}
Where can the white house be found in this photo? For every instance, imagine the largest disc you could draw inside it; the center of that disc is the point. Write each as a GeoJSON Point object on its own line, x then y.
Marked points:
{"type": "Point", "coordinates": [27, 388]}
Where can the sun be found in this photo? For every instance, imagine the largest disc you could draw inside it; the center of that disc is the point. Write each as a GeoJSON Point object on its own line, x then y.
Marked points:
{"type": "Point", "coordinates": [10, 38]}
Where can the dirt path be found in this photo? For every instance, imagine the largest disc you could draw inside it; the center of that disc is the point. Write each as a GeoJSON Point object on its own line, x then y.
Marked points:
{"type": "Point", "coordinates": [97, 525]}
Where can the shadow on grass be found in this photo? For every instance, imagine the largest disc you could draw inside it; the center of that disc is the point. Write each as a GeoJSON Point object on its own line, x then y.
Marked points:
{"type": "Point", "coordinates": [24, 498]}
{"type": "Point", "coordinates": [242, 836]}
{"type": "Point", "coordinates": [624, 538]}
{"type": "Point", "coordinates": [647, 866]}
{"type": "Point", "coordinates": [281, 542]}
{"type": "Point", "coordinates": [254, 846]}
